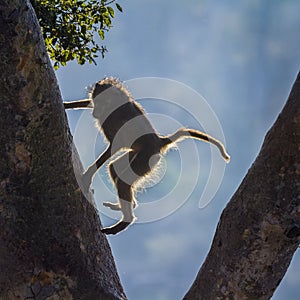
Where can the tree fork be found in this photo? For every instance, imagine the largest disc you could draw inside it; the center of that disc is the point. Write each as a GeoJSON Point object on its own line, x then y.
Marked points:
{"type": "Point", "coordinates": [50, 239]}
{"type": "Point", "coordinates": [259, 230]}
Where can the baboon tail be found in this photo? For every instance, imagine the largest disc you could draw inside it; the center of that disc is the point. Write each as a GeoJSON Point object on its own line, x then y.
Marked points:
{"type": "Point", "coordinates": [185, 133]}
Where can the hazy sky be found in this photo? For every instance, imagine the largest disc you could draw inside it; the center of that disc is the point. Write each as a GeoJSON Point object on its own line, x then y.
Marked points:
{"type": "Point", "coordinates": [242, 57]}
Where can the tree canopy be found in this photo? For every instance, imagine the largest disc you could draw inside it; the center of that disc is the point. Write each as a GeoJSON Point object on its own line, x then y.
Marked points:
{"type": "Point", "coordinates": [72, 28]}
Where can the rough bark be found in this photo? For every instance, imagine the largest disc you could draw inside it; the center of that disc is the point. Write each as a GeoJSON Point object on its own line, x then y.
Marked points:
{"type": "Point", "coordinates": [51, 246]}
{"type": "Point", "coordinates": [259, 229]}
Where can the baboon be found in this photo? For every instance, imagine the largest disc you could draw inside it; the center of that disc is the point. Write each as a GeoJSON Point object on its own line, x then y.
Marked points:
{"type": "Point", "coordinates": [126, 127]}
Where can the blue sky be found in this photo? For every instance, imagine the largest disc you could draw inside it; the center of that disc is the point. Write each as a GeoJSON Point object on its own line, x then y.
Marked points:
{"type": "Point", "coordinates": [242, 57]}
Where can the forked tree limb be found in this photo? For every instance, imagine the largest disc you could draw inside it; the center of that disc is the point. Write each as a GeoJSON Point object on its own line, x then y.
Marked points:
{"type": "Point", "coordinates": [259, 230]}
{"type": "Point", "coordinates": [50, 240]}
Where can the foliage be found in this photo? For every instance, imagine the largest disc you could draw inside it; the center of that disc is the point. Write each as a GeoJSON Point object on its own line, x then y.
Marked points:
{"type": "Point", "coordinates": [69, 28]}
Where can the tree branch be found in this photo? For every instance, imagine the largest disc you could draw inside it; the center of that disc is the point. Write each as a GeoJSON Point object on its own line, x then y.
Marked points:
{"type": "Point", "coordinates": [50, 239]}
{"type": "Point", "coordinates": [259, 230]}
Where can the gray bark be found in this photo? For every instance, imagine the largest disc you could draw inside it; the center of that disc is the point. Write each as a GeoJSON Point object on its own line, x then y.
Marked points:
{"type": "Point", "coordinates": [259, 229]}
{"type": "Point", "coordinates": [51, 246]}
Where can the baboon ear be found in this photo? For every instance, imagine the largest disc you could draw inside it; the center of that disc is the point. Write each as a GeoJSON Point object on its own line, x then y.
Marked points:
{"type": "Point", "coordinates": [99, 88]}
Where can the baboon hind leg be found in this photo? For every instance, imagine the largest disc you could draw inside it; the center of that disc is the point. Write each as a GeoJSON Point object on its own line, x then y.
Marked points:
{"type": "Point", "coordinates": [125, 172]}
{"type": "Point", "coordinates": [125, 204]}
{"type": "Point", "coordinates": [123, 178]}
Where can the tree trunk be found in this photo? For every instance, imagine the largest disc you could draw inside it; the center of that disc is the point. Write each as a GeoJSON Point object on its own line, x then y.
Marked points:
{"type": "Point", "coordinates": [259, 229]}
{"type": "Point", "coordinates": [50, 240]}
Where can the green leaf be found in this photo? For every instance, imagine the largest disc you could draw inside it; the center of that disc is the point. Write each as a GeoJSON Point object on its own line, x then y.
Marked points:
{"type": "Point", "coordinates": [111, 11]}
{"type": "Point", "coordinates": [107, 22]}
{"type": "Point", "coordinates": [101, 34]}
{"type": "Point", "coordinates": [56, 66]}
{"type": "Point", "coordinates": [119, 7]}
{"type": "Point", "coordinates": [69, 28]}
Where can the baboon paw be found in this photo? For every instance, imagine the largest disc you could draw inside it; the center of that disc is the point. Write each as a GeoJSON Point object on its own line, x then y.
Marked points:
{"type": "Point", "coordinates": [86, 181]}
{"type": "Point", "coordinates": [115, 228]}
{"type": "Point", "coordinates": [113, 206]}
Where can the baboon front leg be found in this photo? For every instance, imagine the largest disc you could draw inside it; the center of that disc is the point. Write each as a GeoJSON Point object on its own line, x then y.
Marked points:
{"type": "Point", "coordinates": [85, 103]}
{"type": "Point", "coordinates": [88, 175]}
